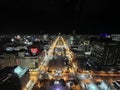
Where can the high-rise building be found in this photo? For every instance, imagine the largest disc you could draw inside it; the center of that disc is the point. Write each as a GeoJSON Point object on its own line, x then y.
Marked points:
{"type": "Point", "coordinates": [23, 75]}
{"type": "Point", "coordinates": [14, 78]}
{"type": "Point", "coordinates": [111, 53]}
{"type": "Point", "coordinates": [9, 80]}
{"type": "Point", "coordinates": [106, 52]}
{"type": "Point", "coordinates": [87, 48]}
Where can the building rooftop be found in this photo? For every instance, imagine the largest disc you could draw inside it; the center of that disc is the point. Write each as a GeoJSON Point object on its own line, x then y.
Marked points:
{"type": "Point", "coordinates": [20, 71]}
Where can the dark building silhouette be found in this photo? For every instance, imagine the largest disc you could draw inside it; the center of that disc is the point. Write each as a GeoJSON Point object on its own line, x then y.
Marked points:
{"type": "Point", "coordinates": [9, 80]}
{"type": "Point", "coordinates": [106, 52]}
{"type": "Point", "coordinates": [111, 53]}
{"type": "Point", "coordinates": [13, 78]}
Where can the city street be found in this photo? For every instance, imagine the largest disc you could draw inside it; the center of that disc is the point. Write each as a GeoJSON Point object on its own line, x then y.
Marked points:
{"type": "Point", "coordinates": [57, 63]}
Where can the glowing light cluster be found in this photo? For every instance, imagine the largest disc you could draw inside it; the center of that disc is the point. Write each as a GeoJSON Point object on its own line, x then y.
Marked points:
{"type": "Point", "coordinates": [34, 50]}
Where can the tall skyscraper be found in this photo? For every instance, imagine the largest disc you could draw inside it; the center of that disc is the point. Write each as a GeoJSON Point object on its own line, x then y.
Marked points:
{"type": "Point", "coordinates": [111, 53]}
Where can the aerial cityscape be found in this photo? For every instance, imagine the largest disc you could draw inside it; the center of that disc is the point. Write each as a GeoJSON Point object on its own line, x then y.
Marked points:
{"type": "Point", "coordinates": [60, 62]}
{"type": "Point", "coordinates": [59, 45]}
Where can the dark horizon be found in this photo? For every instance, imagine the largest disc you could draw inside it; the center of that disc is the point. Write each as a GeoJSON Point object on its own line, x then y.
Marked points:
{"type": "Point", "coordinates": [64, 16]}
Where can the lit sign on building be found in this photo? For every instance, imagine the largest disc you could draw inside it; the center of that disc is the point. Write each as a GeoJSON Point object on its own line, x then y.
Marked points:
{"type": "Point", "coordinates": [34, 50]}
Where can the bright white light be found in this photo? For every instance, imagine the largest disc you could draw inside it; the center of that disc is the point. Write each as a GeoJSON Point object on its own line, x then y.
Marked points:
{"type": "Point", "coordinates": [18, 37]}
{"type": "Point", "coordinates": [87, 53]}
{"type": "Point", "coordinates": [12, 40]}
{"type": "Point", "coordinates": [56, 82]}
{"type": "Point", "coordinates": [9, 49]}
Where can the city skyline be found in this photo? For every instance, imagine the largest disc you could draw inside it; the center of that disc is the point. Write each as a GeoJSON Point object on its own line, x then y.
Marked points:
{"type": "Point", "coordinates": [47, 62]}
{"type": "Point", "coordinates": [59, 45]}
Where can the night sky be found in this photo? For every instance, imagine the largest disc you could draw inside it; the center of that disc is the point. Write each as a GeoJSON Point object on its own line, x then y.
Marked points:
{"type": "Point", "coordinates": [64, 16]}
